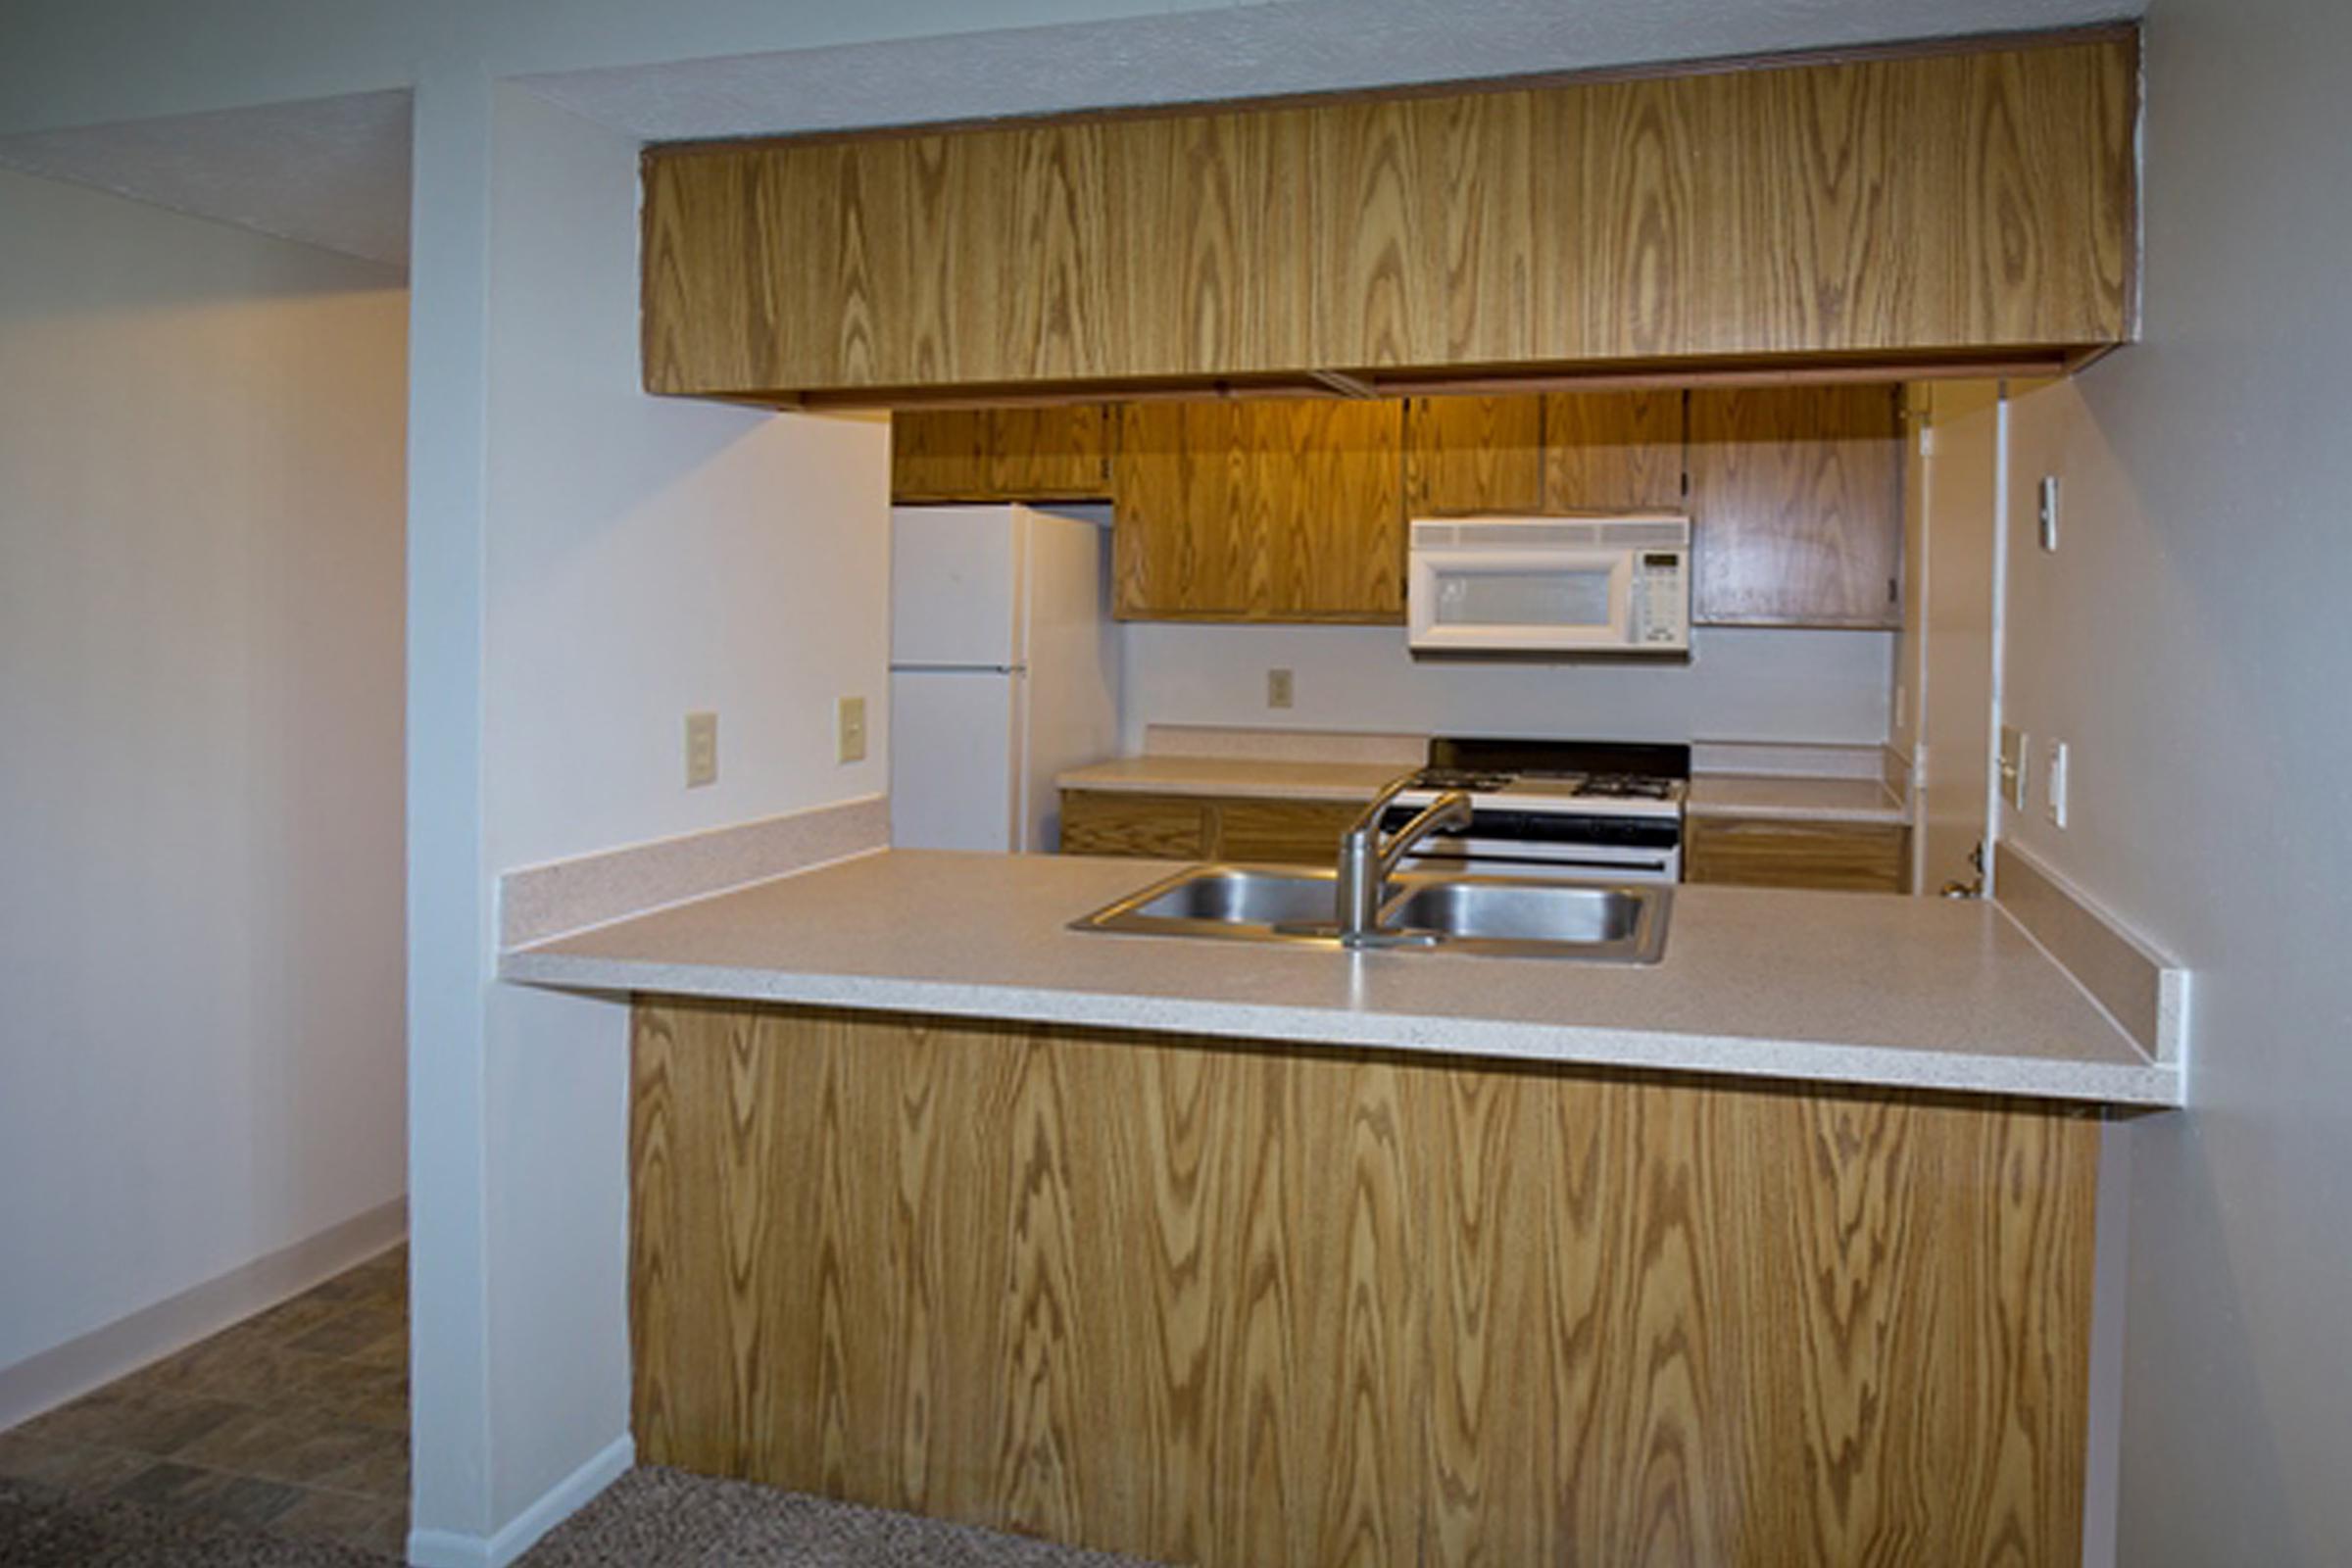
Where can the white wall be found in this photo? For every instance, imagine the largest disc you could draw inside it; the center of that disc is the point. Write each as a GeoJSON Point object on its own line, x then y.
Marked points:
{"type": "Point", "coordinates": [643, 558]}
{"type": "Point", "coordinates": [1741, 685]}
{"type": "Point", "coordinates": [201, 1032]}
{"type": "Point", "coordinates": [2190, 641]}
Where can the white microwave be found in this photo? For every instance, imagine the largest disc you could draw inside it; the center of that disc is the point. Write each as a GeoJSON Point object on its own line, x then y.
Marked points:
{"type": "Point", "coordinates": [1614, 583]}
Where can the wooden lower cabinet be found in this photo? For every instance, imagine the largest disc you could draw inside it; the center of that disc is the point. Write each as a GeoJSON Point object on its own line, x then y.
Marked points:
{"type": "Point", "coordinates": [1247, 1306]}
{"type": "Point", "coordinates": [1150, 827]}
{"type": "Point", "coordinates": [1762, 852]}
{"type": "Point", "coordinates": [1204, 827]}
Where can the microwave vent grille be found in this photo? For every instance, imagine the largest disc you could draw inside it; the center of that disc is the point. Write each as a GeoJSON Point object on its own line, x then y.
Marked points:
{"type": "Point", "coordinates": [1662, 533]}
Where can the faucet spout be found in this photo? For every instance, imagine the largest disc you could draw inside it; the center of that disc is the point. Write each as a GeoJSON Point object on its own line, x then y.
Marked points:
{"type": "Point", "coordinates": [1367, 861]}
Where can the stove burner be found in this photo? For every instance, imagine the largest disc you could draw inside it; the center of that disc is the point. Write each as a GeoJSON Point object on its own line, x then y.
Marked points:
{"type": "Point", "coordinates": [1461, 779]}
{"type": "Point", "coordinates": [1626, 787]}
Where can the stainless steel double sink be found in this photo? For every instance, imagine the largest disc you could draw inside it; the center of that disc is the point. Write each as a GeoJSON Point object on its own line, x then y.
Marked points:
{"type": "Point", "coordinates": [1494, 916]}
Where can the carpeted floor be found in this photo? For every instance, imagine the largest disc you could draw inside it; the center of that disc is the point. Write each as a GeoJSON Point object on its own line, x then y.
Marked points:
{"type": "Point", "coordinates": [651, 1517]}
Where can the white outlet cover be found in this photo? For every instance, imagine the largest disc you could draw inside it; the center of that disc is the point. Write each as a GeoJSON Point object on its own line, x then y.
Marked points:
{"type": "Point", "coordinates": [2053, 796]}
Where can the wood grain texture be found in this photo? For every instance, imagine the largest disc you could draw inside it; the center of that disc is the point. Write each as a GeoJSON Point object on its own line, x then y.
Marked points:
{"type": "Point", "coordinates": [943, 454]}
{"type": "Point", "coordinates": [1624, 244]}
{"type": "Point", "coordinates": [1796, 505]}
{"type": "Point", "coordinates": [1464, 455]}
{"type": "Point", "coordinates": [1209, 255]}
{"type": "Point", "coordinates": [1202, 827]}
{"type": "Point", "coordinates": [1764, 852]}
{"type": "Point", "coordinates": [1018, 454]}
{"type": "Point", "coordinates": [1607, 451]}
{"type": "Point", "coordinates": [1288, 832]}
{"type": "Point", "coordinates": [1933, 204]}
{"type": "Point", "coordinates": [1269, 510]}
{"type": "Point", "coordinates": [1249, 1307]}
{"type": "Point", "coordinates": [1181, 542]}
{"type": "Point", "coordinates": [1151, 827]}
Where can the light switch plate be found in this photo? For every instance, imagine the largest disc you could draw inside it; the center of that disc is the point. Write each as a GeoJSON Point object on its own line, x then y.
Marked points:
{"type": "Point", "coordinates": [2013, 766]}
{"type": "Point", "coordinates": [1278, 687]}
{"type": "Point", "coordinates": [701, 750]}
{"type": "Point", "coordinates": [2046, 513]}
{"type": "Point", "coordinates": [2054, 796]}
{"type": "Point", "coordinates": [853, 729]}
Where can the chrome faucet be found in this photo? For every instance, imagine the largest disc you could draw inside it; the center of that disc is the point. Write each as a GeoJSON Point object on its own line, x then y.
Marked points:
{"type": "Point", "coordinates": [1367, 863]}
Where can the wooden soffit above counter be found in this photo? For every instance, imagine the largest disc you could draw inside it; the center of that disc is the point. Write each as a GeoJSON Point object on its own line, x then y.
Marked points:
{"type": "Point", "coordinates": [1880, 215]}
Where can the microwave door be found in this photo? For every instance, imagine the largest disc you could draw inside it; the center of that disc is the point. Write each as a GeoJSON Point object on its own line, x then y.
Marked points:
{"type": "Point", "coordinates": [1553, 599]}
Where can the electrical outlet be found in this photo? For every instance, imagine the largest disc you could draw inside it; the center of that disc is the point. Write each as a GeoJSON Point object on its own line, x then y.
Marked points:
{"type": "Point", "coordinates": [1278, 687]}
{"type": "Point", "coordinates": [2046, 513]}
{"type": "Point", "coordinates": [2013, 766]}
{"type": "Point", "coordinates": [853, 729]}
{"type": "Point", "coordinates": [701, 750]}
{"type": "Point", "coordinates": [2053, 795]}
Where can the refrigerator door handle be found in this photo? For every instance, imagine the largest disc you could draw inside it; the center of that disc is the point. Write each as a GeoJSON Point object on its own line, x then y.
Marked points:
{"type": "Point", "coordinates": [959, 669]}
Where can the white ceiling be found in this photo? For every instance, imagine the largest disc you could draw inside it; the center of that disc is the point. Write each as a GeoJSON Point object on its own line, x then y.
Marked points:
{"type": "Point", "coordinates": [1242, 51]}
{"type": "Point", "coordinates": [330, 171]}
{"type": "Point", "coordinates": [334, 172]}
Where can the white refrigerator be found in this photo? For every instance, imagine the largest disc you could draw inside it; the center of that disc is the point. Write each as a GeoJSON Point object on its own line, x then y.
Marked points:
{"type": "Point", "coordinates": [1003, 670]}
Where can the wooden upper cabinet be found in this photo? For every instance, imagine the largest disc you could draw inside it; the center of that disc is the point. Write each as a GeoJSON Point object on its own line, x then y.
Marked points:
{"type": "Point", "coordinates": [1896, 209]}
{"type": "Point", "coordinates": [1262, 510]}
{"type": "Point", "coordinates": [1468, 455]}
{"type": "Point", "coordinates": [1058, 452]}
{"type": "Point", "coordinates": [1208, 245]}
{"type": "Point", "coordinates": [1796, 505]}
{"type": "Point", "coordinates": [1613, 451]}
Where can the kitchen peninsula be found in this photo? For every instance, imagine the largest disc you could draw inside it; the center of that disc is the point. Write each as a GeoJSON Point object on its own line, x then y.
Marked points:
{"type": "Point", "coordinates": [1777, 1251]}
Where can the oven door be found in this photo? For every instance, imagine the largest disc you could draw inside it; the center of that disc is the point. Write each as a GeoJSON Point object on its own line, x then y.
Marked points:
{"type": "Point", "coordinates": [1471, 598]}
{"type": "Point", "coordinates": [1545, 844]}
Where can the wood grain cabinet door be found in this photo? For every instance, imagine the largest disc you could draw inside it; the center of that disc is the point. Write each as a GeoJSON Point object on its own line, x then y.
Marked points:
{"type": "Point", "coordinates": [1613, 451]}
{"type": "Point", "coordinates": [1025, 454]}
{"type": "Point", "coordinates": [1181, 544]}
{"type": "Point", "coordinates": [1796, 505]}
{"type": "Point", "coordinates": [1894, 206]}
{"type": "Point", "coordinates": [1472, 455]}
{"type": "Point", "coordinates": [1151, 827]}
{"type": "Point", "coordinates": [1288, 832]}
{"type": "Point", "coordinates": [1271, 509]}
{"type": "Point", "coordinates": [1759, 853]}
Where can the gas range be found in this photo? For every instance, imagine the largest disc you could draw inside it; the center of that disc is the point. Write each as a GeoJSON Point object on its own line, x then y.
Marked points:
{"type": "Point", "coordinates": [1611, 812]}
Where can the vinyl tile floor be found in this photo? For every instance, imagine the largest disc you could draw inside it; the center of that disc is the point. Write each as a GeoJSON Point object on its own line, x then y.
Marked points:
{"type": "Point", "coordinates": [294, 1422]}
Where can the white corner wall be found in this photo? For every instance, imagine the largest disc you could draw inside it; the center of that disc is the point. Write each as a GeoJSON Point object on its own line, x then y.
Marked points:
{"type": "Point", "coordinates": [202, 1042]}
{"type": "Point", "coordinates": [2190, 641]}
{"type": "Point", "coordinates": [640, 558]}
{"type": "Point", "coordinates": [1744, 684]}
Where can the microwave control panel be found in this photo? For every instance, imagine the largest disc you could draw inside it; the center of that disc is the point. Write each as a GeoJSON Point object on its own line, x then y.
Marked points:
{"type": "Point", "coordinates": [1661, 609]}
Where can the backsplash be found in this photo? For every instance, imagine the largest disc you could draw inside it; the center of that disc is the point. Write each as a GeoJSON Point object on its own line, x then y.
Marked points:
{"type": "Point", "coordinates": [1740, 684]}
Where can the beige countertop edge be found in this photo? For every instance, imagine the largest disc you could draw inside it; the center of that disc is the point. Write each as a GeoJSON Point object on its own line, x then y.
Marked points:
{"type": "Point", "coordinates": [1771, 797]}
{"type": "Point", "coordinates": [1244, 776]}
{"type": "Point", "coordinates": [2150, 1084]}
{"type": "Point", "coordinates": [1834, 988]}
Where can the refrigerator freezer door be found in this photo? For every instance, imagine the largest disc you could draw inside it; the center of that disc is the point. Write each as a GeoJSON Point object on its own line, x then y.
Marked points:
{"type": "Point", "coordinates": [957, 575]}
{"type": "Point", "coordinates": [1073, 665]}
{"type": "Point", "coordinates": [954, 759]}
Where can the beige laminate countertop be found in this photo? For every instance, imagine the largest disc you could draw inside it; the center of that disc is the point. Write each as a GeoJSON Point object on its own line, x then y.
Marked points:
{"type": "Point", "coordinates": [1788, 798]}
{"type": "Point", "coordinates": [1258, 776]}
{"type": "Point", "coordinates": [1731, 795]}
{"type": "Point", "coordinates": [1824, 987]}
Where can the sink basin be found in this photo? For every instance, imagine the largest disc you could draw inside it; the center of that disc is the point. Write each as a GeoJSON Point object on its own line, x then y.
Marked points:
{"type": "Point", "coordinates": [1240, 896]}
{"type": "Point", "coordinates": [1497, 916]}
{"type": "Point", "coordinates": [1237, 903]}
{"type": "Point", "coordinates": [1510, 911]}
